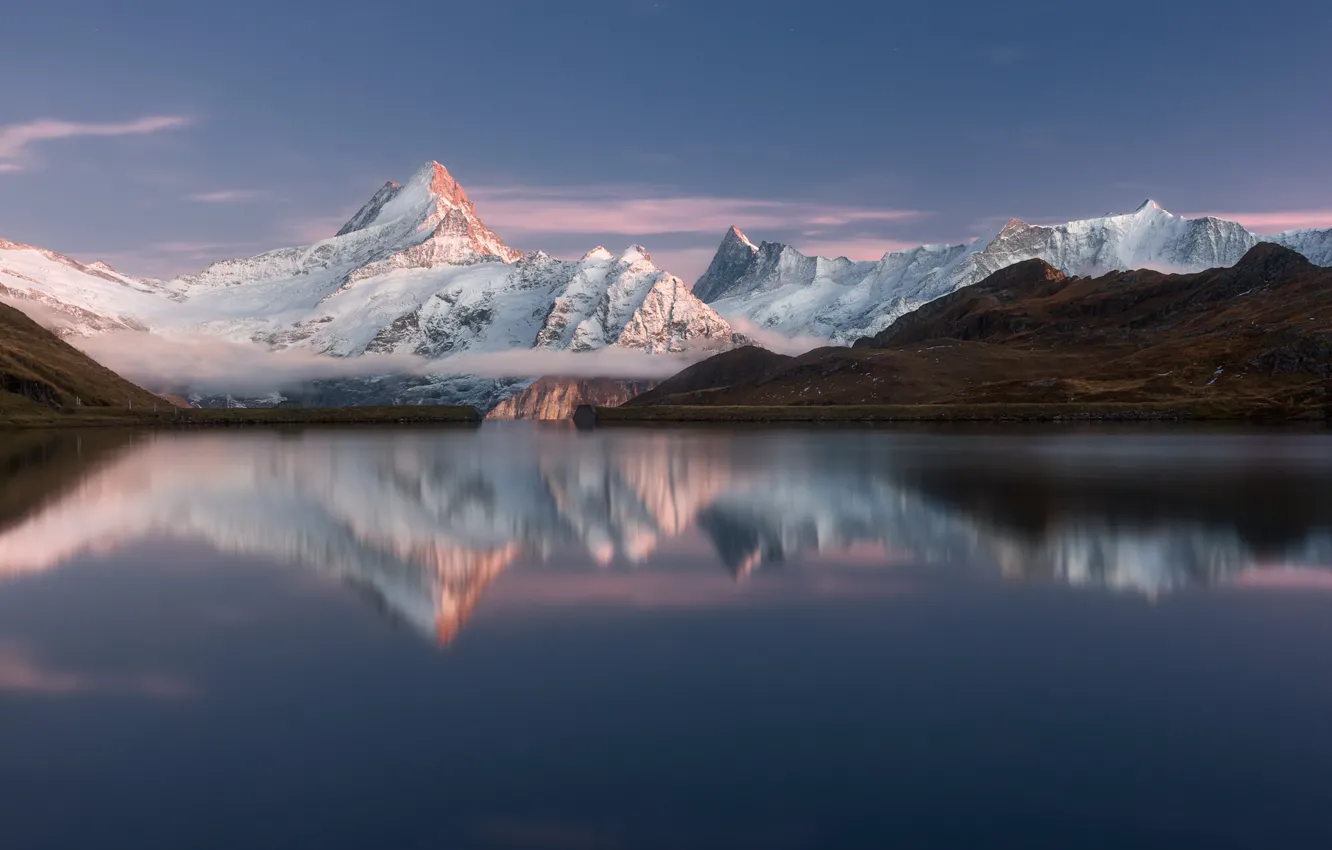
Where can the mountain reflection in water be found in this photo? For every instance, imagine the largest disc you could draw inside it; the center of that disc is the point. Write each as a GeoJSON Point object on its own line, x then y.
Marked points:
{"type": "Point", "coordinates": [425, 520]}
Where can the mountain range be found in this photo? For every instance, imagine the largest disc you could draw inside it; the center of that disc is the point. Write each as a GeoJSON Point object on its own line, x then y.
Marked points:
{"type": "Point", "coordinates": [1251, 339]}
{"type": "Point", "coordinates": [777, 287]}
{"type": "Point", "coordinates": [416, 272]}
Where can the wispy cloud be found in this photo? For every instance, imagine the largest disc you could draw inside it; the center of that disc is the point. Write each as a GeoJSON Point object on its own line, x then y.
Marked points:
{"type": "Point", "coordinates": [637, 212]}
{"type": "Point", "coordinates": [229, 196]}
{"type": "Point", "coordinates": [16, 139]}
{"type": "Point", "coordinates": [1275, 221]}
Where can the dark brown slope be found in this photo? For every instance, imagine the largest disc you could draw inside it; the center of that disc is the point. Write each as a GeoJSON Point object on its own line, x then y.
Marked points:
{"type": "Point", "coordinates": [1257, 336]}
{"type": "Point", "coordinates": [40, 373]}
{"type": "Point", "coordinates": [737, 366]}
{"type": "Point", "coordinates": [39, 466]}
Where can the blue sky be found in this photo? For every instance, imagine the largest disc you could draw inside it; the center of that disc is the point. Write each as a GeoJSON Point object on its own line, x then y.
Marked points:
{"type": "Point", "coordinates": [163, 135]}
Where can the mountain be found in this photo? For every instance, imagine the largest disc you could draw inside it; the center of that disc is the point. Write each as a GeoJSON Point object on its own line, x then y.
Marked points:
{"type": "Point", "coordinates": [40, 373]}
{"type": "Point", "coordinates": [714, 375]}
{"type": "Point", "coordinates": [72, 298]}
{"type": "Point", "coordinates": [777, 287]}
{"type": "Point", "coordinates": [415, 271]}
{"type": "Point", "coordinates": [1253, 337]}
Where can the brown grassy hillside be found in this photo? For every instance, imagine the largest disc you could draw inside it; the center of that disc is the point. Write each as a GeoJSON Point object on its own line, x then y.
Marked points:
{"type": "Point", "coordinates": [41, 373]}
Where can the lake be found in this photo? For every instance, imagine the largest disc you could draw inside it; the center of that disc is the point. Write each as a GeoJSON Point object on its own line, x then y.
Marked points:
{"type": "Point", "coordinates": [534, 637]}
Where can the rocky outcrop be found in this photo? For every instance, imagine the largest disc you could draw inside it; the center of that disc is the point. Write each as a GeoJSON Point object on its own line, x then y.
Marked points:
{"type": "Point", "coordinates": [553, 398]}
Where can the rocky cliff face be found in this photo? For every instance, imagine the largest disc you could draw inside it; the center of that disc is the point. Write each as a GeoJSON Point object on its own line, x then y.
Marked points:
{"type": "Point", "coordinates": [553, 398]}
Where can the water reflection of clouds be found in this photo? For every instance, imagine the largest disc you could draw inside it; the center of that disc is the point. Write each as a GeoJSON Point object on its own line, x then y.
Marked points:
{"type": "Point", "coordinates": [23, 672]}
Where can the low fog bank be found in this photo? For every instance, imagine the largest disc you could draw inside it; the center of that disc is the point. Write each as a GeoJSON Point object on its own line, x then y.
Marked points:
{"type": "Point", "coordinates": [210, 366]}
{"type": "Point", "coordinates": [775, 341]}
{"type": "Point", "coordinates": [200, 363]}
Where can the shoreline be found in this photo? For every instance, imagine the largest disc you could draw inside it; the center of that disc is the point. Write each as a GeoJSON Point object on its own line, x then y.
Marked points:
{"type": "Point", "coordinates": [236, 417]}
{"type": "Point", "coordinates": [588, 416]}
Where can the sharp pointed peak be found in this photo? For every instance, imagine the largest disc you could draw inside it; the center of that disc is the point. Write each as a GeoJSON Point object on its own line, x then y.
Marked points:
{"type": "Point", "coordinates": [599, 253]}
{"type": "Point", "coordinates": [1149, 207]}
{"type": "Point", "coordinates": [736, 236]}
{"type": "Point", "coordinates": [437, 180]}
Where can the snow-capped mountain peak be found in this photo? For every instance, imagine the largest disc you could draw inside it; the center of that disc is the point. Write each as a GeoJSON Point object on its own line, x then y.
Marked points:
{"type": "Point", "coordinates": [734, 257]}
{"type": "Point", "coordinates": [367, 214]}
{"type": "Point", "coordinates": [735, 234]}
{"type": "Point", "coordinates": [635, 254]}
{"type": "Point", "coordinates": [598, 253]}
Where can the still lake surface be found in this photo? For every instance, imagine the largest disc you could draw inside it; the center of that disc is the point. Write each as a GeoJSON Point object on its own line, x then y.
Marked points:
{"type": "Point", "coordinates": [533, 637]}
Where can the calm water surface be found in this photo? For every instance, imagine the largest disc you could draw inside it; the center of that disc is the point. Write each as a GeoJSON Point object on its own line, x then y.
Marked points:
{"type": "Point", "coordinates": [523, 637]}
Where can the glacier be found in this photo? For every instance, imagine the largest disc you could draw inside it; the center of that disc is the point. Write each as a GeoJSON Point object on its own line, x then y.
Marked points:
{"type": "Point", "coordinates": [778, 288]}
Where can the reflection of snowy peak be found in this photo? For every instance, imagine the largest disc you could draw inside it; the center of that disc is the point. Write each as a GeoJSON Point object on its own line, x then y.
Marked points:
{"type": "Point", "coordinates": [427, 520]}
{"type": "Point", "coordinates": [778, 287]}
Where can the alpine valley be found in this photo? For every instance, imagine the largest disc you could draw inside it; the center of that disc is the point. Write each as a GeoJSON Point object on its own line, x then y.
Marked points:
{"type": "Point", "coordinates": [416, 275]}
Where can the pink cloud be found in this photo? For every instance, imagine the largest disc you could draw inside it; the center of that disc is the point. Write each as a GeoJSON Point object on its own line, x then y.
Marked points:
{"type": "Point", "coordinates": [633, 213]}
{"type": "Point", "coordinates": [15, 139]}
{"type": "Point", "coordinates": [1276, 222]}
{"type": "Point", "coordinates": [229, 196]}
{"type": "Point", "coordinates": [688, 264]}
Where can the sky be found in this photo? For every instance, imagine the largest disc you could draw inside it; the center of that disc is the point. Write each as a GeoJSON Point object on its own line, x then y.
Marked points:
{"type": "Point", "coordinates": [160, 136]}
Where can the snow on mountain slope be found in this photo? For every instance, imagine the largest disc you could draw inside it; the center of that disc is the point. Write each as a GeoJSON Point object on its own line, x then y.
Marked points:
{"type": "Point", "coordinates": [415, 270]}
{"type": "Point", "coordinates": [82, 299]}
{"type": "Point", "coordinates": [1315, 245]}
{"type": "Point", "coordinates": [427, 221]}
{"type": "Point", "coordinates": [777, 287]}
